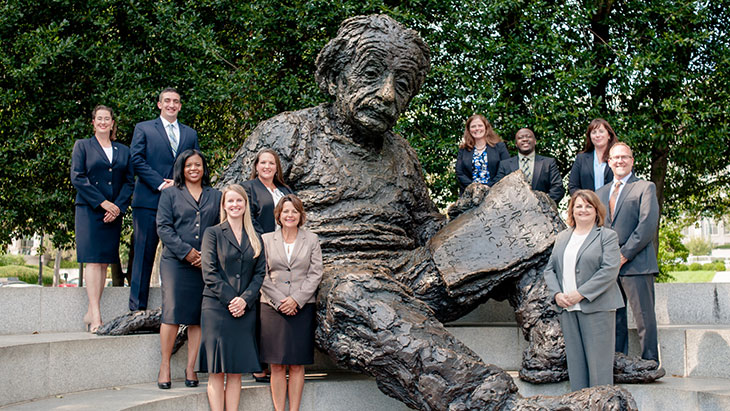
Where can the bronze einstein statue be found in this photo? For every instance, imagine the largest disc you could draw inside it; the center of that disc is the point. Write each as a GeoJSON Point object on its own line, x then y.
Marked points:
{"type": "Point", "coordinates": [394, 269]}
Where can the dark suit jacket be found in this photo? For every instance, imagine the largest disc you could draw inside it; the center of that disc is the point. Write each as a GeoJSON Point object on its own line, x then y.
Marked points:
{"type": "Point", "coordinates": [181, 221]}
{"type": "Point", "coordinates": [229, 269]}
{"type": "Point", "coordinates": [635, 220]}
{"type": "Point", "coordinates": [464, 166]}
{"type": "Point", "coordinates": [545, 176]}
{"type": "Point", "coordinates": [596, 269]}
{"type": "Point", "coordinates": [153, 159]}
{"type": "Point", "coordinates": [262, 205]}
{"type": "Point", "coordinates": [96, 180]}
{"type": "Point", "coordinates": [581, 175]}
{"type": "Point", "coordinates": [298, 278]}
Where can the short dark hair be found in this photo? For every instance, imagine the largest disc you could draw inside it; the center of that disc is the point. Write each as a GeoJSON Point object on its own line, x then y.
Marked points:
{"type": "Point", "coordinates": [591, 198]}
{"type": "Point", "coordinates": [298, 205]}
{"type": "Point", "coordinates": [168, 90]}
{"type": "Point", "coordinates": [179, 170]}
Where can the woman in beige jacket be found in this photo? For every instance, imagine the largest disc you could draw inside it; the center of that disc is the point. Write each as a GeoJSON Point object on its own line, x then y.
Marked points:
{"type": "Point", "coordinates": [293, 273]}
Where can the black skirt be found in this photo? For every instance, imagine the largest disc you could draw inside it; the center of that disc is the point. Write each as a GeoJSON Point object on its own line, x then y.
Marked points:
{"type": "Point", "coordinates": [285, 339]}
{"type": "Point", "coordinates": [228, 344]}
{"type": "Point", "coordinates": [96, 241]}
{"type": "Point", "coordinates": [182, 291]}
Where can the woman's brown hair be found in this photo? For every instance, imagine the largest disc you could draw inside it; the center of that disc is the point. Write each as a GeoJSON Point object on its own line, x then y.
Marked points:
{"type": "Point", "coordinates": [278, 178]}
{"type": "Point", "coordinates": [491, 136]}
{"type": "Point", "coordinates": [113, 133]}
{"type": "Point", "coordinates": [591, 198]}
{"type": "Point", "coordinates": [612, 139]}
{"type": "Point", "coordinates": [298, 205]}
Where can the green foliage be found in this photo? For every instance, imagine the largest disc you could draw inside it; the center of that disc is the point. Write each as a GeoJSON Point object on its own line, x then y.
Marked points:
{"type": "Point", "coordinates": [51, 263]}
{"type": "Point", "coordinates": [692, 276]}
{"type": "Point", "coordinates": [699, 246]}
{"type": "Point", "coordinates": [695, 267]}
{"type": "Point", "coordinates": [26, 274]}
{"type": "Point", "coordinates": [671, 251]}
{"type": "Point", "coordinates": [723, 246]}
{"type": "Point", "coordinates": [716, 266]}
{"type": "Point", "coordinates": [11, 259]}
{"type": "Point", "coordinates": [657, 70]}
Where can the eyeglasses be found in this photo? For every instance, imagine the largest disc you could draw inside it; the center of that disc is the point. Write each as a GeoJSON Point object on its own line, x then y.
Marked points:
{"type": "Point", "coordinates": [621, 158]}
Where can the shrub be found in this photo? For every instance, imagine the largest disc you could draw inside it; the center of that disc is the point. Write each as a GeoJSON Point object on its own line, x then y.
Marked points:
{"type": "Point", "coordinates": [27, 274]}
{"type": "Point", "coordinates": [10, 259]}
{"type": "Point", "coordinates": [716, 266]}
{"type": "Point", "coordinates": [695, 267]}
{"type": "Point", "coordinates": [699, 246]}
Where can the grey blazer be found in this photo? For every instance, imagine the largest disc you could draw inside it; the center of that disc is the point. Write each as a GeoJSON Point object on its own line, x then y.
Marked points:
{"type": "Point", "coordinates": [181, 220]}
{"type": "Point", "coordinates": [596, 269]}
{"type": "Point", "coordinates": [635, 220]}
{"type": "Point", "coordinates": [299, 278]}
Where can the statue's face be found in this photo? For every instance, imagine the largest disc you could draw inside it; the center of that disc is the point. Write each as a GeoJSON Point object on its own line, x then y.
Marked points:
{"type": "Point", "coordinates": [375, 88]}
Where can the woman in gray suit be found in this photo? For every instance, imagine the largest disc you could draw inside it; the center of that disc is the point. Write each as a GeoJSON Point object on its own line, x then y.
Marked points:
{"type": "Point", "coordinates": [581, 274]}
{"type": "Point", "coordinates": [184, 212]}
{"type": "Point", "coordinates": [293, 273]}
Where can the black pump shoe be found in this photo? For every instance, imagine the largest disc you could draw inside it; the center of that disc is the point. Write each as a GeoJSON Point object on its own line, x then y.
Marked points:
{"type": "Point", "coordinates": [191, 383]}
{"type": "Point", "coordinates": [165, 385]}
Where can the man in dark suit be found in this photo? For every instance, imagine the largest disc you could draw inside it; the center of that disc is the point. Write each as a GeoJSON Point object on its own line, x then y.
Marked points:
{"type": "Point", "coordinates": [155, 146]}
{"type": "Point", "coordinates": [633, 212]}
{"type": "Point", "coordinates": [541, 172]}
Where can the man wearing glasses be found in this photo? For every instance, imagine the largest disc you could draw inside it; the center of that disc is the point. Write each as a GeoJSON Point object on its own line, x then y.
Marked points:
{"type": "Point", "coordinates": [633, 212]}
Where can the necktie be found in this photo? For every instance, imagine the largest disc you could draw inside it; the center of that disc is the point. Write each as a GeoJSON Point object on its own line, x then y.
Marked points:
{"type": "Point", "coordinates": [173, 138]}
{"type": "Point", "coordinates": [526, 169]}
{"type": "Point", "coordinates": [614, 196]}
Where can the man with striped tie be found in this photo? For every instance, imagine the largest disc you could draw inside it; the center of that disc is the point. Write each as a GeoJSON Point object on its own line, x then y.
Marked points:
{"type": "Point", "coordinates": [155, 146]}
{"type": "Point", "coordinates": [633, 212]}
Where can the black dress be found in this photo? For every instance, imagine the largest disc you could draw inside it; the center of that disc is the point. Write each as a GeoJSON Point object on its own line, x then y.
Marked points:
{"type": "Point", "coordinates": [228, 344]}
{"type": "Point", "coordinates": [96, 180]}
{"type": "Point", "coordinates": [181, 222]}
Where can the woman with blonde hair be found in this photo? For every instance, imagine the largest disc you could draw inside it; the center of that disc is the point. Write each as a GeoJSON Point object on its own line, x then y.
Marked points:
{"type": "Point", "coordinates": [479, 153]}
{"type": "Point", "coordinates": [233, 265]}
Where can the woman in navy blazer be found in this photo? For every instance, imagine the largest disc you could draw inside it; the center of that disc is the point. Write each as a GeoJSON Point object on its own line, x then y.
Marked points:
{"type": "Point", "coordinates": [582, 276]}
{"type": "Point", "coordinates": [102, 173]}
{"type": "Point", "coordinates": [265, 187]}
{"type": "Point", "coordinates": [184, 212]}
{"type": "Point", "coordinates": [479, 153]}
{"type": "Point", "coordinates": [600, 137]}
{"type": "Point", "coordinates": [234, 265]}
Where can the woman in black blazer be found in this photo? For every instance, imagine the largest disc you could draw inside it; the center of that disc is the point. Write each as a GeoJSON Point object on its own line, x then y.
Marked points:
{"type": "Point", "coordinates": [101, 172]}
{"type": "Point", "coordinates": [600, 137]}
{"type": "Point", "coordinates": [234, 265]}
{"type": "Point", "coordinates": [479, 153]}
{"type": "Point", "coordinates": [184, 212]}
{"type": "Point", "coordinates": [265, 187]}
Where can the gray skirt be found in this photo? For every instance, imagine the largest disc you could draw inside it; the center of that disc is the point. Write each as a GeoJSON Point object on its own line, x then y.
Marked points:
{"type": "Point", "coordinates": [285, 339]}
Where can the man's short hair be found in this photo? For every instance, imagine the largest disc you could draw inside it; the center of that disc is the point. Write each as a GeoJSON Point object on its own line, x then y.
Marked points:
{"type": "Point", "coordinates": [168, 90]}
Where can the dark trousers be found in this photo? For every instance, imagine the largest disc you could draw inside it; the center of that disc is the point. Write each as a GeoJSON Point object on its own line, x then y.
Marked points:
{"type": "Point", "coordinates": [145, 247]}
{"type": "Point", "coordinates": [638, 291]}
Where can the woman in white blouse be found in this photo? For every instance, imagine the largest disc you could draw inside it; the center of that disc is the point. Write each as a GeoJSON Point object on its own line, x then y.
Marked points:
{"type": "Point", "coordinates": [581, 274]}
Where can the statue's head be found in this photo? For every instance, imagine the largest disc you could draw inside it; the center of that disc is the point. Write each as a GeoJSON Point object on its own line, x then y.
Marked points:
{"type": "Point", "coordinates": [373, 67]}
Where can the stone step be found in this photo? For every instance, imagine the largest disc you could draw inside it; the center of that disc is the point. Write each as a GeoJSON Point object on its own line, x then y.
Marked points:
{"type": "Point", "coordinates": [338, 391]}
{"type": "Point", "coordinates": [39, 365]}
{"type": "Point", "coordinates": [49, 309]}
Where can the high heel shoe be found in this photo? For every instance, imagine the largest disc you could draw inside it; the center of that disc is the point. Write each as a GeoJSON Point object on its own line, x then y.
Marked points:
{"type": "Point", "coordinates": [191, 383]}
{"type": "Point", "coordinates": [163, 385]}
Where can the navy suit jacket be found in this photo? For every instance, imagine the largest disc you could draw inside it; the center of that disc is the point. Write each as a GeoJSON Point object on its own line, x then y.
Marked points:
{"type": "Point", "coordinates": [262, 205]}
{"type": "Point", "coordinates": [153, 159]}
{"type": "Point", "coordinates": [581, 175]}
{"type": "Point", "coordinates": [635, 220]}
{"type": "Point", "coordinates": [545, 175]}
{"type": "Point", "coordinates": [96, 180]}
{"type": "Point", "coordinates": [464, 166]}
